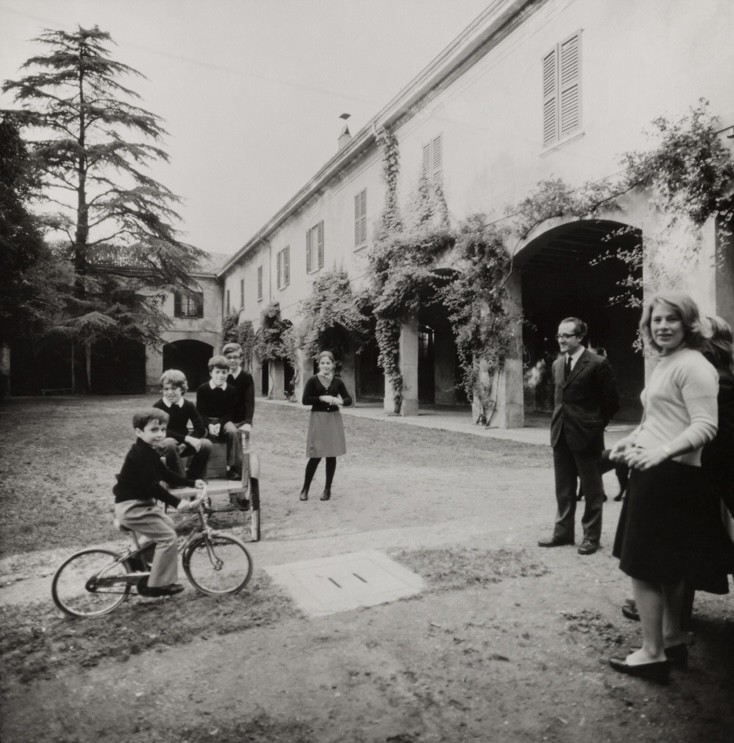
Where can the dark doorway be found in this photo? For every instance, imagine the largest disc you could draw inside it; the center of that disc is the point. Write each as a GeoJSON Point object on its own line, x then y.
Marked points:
{"type": "Point", "coordinates": [265, 378]}
{"type": "Point", "coordinates": [190, 357]}
{"type": "Point", "coordinates": [426, 370]}
{"type": "Point", "coordinates": [369, 377]}
{"type": "Point", "coordinates": [566, 276]}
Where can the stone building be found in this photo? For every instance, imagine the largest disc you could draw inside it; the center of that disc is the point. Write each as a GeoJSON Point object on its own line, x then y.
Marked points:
{"type": "Point", "coordinates": [531, 90]}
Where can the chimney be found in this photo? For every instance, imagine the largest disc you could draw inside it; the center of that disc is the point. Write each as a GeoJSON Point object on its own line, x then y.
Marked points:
{"type": "Point", "coordinates": [345, 137]}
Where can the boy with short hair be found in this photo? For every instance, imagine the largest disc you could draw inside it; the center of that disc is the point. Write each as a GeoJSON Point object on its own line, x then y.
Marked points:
{"type": "Point", "coordinates": [244, 407]}
{"type": "Point", "coordinates": [215, 401]}
{"type": "Point", "coordinates": [137, 489]}
{"type": "Point", "coordinates": [178, 442]}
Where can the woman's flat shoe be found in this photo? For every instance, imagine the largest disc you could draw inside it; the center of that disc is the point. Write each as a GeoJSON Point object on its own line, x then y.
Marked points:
{"type": "Point", "coordinates": [326, 495]}
{"type": "Point", "coordinates": [677, 655]}
{"type": "Point", "coordinates": [303, 495]}
{"type": "Point", "coordinates": [630, 611]}
{"type": "Point", "coordinates": [658, 671]}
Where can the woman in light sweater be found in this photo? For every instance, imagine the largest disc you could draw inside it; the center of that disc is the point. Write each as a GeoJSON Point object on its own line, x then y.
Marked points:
{"type": "Point", "coordinates": [654, 534]}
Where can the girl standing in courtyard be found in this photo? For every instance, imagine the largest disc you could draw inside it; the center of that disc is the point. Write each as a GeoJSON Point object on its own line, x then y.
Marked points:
{"type": "Point", "coordinates": [325, 393]}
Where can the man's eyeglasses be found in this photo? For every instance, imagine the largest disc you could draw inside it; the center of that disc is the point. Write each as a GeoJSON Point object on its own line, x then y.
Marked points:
{"type": "Point", "coordinates": [565, 336]}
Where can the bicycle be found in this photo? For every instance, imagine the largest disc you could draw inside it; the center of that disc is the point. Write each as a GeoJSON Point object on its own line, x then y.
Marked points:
{"type": "Point", "coordinates": [96, 580]}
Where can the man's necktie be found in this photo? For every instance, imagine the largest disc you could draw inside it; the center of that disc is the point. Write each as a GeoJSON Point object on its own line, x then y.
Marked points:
{"type": "Point", "coordinates": [567, 371]}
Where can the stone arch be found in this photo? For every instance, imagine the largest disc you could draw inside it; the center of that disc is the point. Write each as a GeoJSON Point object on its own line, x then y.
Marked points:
{"type": "Point", "coordinates": [561, 272]}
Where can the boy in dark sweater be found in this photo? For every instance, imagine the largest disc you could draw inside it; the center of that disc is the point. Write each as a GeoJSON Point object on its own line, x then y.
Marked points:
{"type": "Point", "coordinates": [244, 407]}
{"type": "Point", "coordinates": [178, 442]}
{"type": "Point", "coordinates": [215, 401]}
{"type": "Point", "coordinates": [137, 489]}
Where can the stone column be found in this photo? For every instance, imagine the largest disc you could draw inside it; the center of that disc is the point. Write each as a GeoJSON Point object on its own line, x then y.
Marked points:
{"type": "Point", "coordinates": [276, 390]}
{"type": "Point", "coordinates": [409, 366]}
{"type": "Point", "coordinates": [153, 368]}
{"type": "Point", "coordinates": [304, 372]}
{"type": "Point", "coordinates": [510, 411]}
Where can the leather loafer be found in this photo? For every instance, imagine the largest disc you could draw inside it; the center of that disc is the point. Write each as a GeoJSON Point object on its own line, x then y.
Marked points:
{"type": "Point", "coordinates": [587, 548]}
{"type": "Point", "coordinates": [677, 655]}
{"type": "Point", "coordinates": [554, 542]}
{"type": "Point", "coordinates": [630, 611]}
{"type": "Point", "coordinates": [658, 671]}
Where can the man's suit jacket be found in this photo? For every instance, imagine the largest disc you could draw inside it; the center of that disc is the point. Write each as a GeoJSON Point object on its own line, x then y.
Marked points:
{"type": "Point", "coordinates": [584, 403]}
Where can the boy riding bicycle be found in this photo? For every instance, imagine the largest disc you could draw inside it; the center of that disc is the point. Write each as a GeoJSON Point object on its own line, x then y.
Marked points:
{"type": "Point", "coordinates": [137, 489]}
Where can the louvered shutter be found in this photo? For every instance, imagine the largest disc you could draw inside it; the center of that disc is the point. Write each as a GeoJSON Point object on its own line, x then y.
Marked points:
{"type": "Point", "coordinates": [427, 160]}
{"type": "Point", "coordinates": [550, 97]}
{"type": "Point", "coordinates": [279, 261]}
{"type": "Point", "coordinates": [321, 244]}
{"type": "Point", "coordinates": [287, 266]}
{"type": "Point", "coordinates": [360, 217]}
{"type": "Point", "coordinates": [570, 85]}
{"type": "Point", "coordinates": [437, 159]}
{"type": "Point", "coordinates": [259, 282]}
{"type": "Point", "coordinates": [242, 293]}
{"type": "Point", "coordinates": [308, 251]}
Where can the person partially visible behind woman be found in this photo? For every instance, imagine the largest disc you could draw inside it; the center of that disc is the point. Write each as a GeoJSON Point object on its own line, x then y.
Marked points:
{"type": "Point", "coordinates": [713, 558]}
{"type": "Point", "coordinates": [654, 535]}
{"type": "Point", "coordinates": [325, 393]}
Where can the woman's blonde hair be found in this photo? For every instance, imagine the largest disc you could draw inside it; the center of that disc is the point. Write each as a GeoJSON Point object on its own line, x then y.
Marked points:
{"type": "Point", "coordinates": [686, 310]}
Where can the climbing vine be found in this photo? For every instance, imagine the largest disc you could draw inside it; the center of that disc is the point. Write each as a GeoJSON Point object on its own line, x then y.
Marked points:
{"type": "Point", "coordinates": [332, 317]}
{"type": "Point", "coordinates": [234, 331]}
{"type": "Point", "coordinates": [476, 303]}
{"type": "Point", "coordinates": [275, 339]}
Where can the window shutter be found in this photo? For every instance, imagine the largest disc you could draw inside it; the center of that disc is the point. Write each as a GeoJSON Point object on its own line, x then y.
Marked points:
{"type": "Point", "coordinates": [308, 251]}
{"type": "Point", "coordinates": [437, 159]}
{"type": "Point", "coordinates": [360, 217]}
{"type": "Point", "coordinates": [259, 282]}
{"type": "Point", "coordinates": [550, 98]}
{"type": "Point", "coordinates": [279, 261]}
{"type": "Point", "coordinates": [242, 293]}
{"type": "Point", "coordinates": [427, 160]}
{"type": "Point", "coordinates": [287, 266]}
{"type": "Point", "coordinates": [228, 305]}
{"type": "Point", "coordinates": [321, 244]}
{"type": "Point", "coordinates": [177, 304]}
{"type": "Point", "coordinates": [570, 79]}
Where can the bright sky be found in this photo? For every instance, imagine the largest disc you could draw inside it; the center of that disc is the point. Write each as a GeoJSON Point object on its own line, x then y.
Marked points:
{"type": "Point", "coordinates": [250, 91]}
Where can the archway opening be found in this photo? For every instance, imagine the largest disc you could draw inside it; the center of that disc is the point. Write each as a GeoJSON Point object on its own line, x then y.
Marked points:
{"type": "Point", "coordinates": [577, 270]}
{"type": "Point", "coordinates": [190, 357]}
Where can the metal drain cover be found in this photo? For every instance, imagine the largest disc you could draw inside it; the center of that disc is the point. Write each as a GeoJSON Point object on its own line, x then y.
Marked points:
{"type": "Point", "coordinates": [332, 584]}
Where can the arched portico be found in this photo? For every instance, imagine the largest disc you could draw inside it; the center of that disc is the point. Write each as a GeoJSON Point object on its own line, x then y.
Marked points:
{"type": "Point", "coordinates": [572, 268]}
{"type": "Point", "coordinates": [428, 359]}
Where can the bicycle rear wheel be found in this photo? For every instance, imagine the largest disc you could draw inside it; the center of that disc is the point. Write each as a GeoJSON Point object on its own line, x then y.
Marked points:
{"type": "Point", "coordinates": [87, 583]}
{"type": "Point", "coordinates": [217, 564]}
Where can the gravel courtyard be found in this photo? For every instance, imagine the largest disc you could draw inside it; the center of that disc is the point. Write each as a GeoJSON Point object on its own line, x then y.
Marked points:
{"type": "Point", "coordinates": [507, 642]}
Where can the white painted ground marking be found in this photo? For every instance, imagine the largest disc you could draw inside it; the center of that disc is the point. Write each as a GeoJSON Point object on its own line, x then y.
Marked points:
{"type": "Point", "coordinates": [343, 582]}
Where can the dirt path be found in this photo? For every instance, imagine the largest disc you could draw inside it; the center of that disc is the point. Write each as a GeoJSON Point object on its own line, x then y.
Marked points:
{"type": "Point", "coordinates": [508, 642]}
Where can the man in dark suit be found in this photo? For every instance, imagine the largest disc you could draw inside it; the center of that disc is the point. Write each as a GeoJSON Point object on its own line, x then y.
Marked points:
{"type": "Point", "coordinates": [585, 400]}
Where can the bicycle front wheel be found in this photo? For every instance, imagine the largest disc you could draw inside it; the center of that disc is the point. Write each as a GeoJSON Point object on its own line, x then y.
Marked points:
{"type": "Point", "coordinates": [217, 564]}
{"type": "Point", "coordinates": [90, 583]}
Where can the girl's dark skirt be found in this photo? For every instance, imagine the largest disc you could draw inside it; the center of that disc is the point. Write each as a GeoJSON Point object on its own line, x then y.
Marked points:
{"type": "Point", "coordinates": [325, 435]}
{"type": "Point", "coordinates": [656, 526]}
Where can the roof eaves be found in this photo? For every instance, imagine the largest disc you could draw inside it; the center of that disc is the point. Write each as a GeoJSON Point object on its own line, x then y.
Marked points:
{"type": "Point", "coordinates": [495, 21]}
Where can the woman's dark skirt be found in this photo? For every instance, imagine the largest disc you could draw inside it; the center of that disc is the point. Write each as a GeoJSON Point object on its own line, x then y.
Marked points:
{"type": "Point", "coordinates": [325, 435]}
{"type": "Point", "coordinates": [656, 526]}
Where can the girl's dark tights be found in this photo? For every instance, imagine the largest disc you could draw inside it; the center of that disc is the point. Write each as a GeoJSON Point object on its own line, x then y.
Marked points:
{"type": "Point", "coordinates": [311, 466]}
